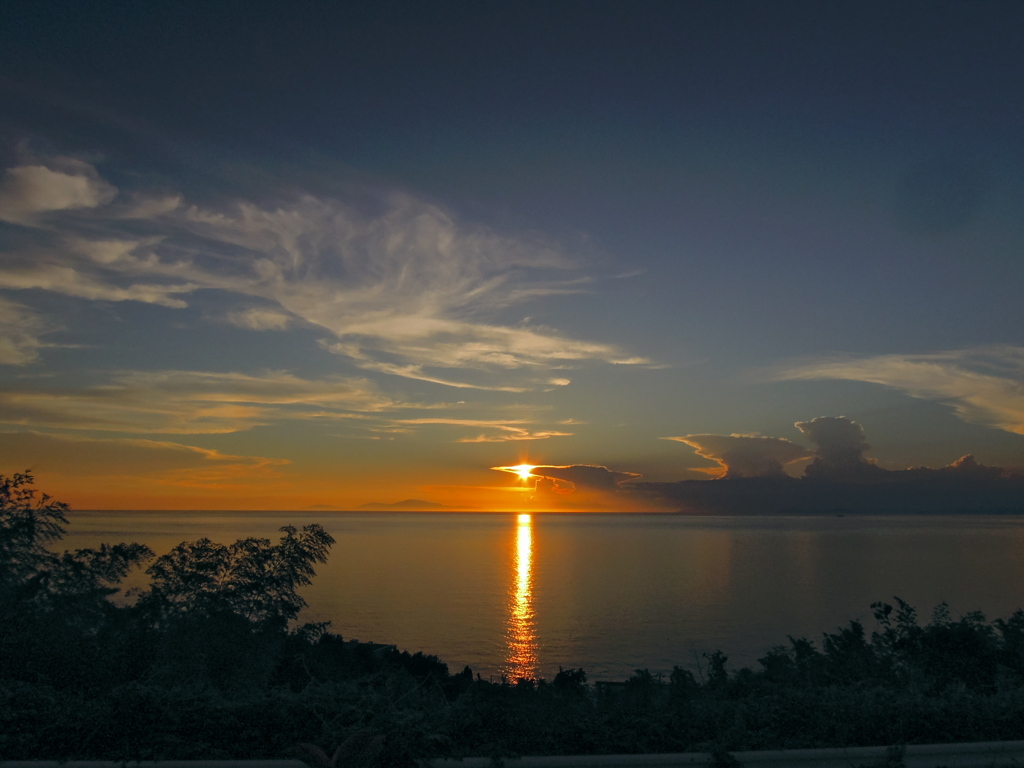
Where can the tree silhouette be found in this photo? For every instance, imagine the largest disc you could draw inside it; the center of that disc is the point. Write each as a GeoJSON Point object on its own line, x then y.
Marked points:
{"type": "Point", "coordinates": [251, 578]}
{"type": "Point", "coordinates": [34, 578]}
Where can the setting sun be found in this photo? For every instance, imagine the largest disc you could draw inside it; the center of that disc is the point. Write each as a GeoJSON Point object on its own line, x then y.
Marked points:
{"type": "Point", "coordinates": [523, 470]}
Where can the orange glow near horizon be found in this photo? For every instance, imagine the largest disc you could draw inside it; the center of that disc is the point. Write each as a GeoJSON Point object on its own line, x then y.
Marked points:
{"type": "Point", "coordinates": [521, 658]}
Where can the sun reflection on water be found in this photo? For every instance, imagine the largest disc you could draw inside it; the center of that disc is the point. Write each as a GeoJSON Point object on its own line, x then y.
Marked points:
{"type": "Point", "coordinates": [521, 658]}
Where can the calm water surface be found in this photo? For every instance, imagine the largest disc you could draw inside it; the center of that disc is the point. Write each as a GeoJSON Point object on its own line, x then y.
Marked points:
{"type": "Point", "coordinates": [523, 595]}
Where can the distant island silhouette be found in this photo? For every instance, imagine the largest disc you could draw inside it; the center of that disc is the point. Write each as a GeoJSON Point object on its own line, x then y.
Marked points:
{"type": "Point", "coordinates": [409, 505]}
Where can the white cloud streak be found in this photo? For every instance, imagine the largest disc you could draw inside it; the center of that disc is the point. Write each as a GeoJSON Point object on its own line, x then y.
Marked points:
{"type": "Point", "coordinates": [74, 282]}
{"type": "Point", "coordinates": [191, 402]}
{"type": "Point", "coordinates": [984, 385]}
{"type": "Point", "coordinates": [498, 431]}
{"type": "Point", "coordinates": [259, 319]}
{"type": "Point", "coordinates": [20, 329]}
{"type": "Point", "coordinates": [29, 191]}
{"type": "Point", "coordinates": [173, 463]}
{"type": "Point", "coordinates": [404, 291]}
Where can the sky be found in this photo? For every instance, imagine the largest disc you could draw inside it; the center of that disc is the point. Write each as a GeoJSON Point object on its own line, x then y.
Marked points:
{"type": "Point", "coordinates": [261, 255]}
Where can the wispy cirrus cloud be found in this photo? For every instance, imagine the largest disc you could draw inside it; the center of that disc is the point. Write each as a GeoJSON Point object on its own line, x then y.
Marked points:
{"type": "Point", "coordinates": [419, 373]}
{"type": "Point", "coordinates": [158, 461]}
{"type": "Point", "coordinates": [496, 430]}
{"type": "Point", "coordinates": [193, 402]}
{"type": "Point", "coordinates": [140, 206]}
{"type": "Point", "coordinates": [259, 319]}
{"type": "Point", "coordinates": [70, 281]}
{"type": "Point", "coordinates": [512, 434]}
{"type": "Point", "coordinates": [984, 385]}
{"type": "Point", "coordinates": [20, 331]}
{"type": "Point", "coordinates": [399, 285]}
{"type": "Point", "coordinates": [408, 292]}
{"type": "Point", "coordinates": [108, 472]}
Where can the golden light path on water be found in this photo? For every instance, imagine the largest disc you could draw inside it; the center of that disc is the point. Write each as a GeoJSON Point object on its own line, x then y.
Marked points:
{"type": "Point", "coordinates": [521, 658]}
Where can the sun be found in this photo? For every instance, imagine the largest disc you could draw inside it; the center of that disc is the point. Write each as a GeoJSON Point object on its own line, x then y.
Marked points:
{"type": "Point", "coordinates": [523, 470]}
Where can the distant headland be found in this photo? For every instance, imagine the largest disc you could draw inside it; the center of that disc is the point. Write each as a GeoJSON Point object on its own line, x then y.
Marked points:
{"type": "Point", "coordinates": [409, 505]}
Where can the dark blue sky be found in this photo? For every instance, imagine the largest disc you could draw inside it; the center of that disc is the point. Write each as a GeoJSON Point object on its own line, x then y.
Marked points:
{"type": "Point", "coordinates": [771, 211]}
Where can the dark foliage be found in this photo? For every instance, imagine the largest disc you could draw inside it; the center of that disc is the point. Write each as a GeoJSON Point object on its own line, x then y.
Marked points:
{"type": "Point", "coordinates": [251, 578]}
{"type": "Point", "coordinates": [206, 665]}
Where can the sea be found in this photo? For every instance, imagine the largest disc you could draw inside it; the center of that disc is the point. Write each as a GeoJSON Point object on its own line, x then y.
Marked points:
{"type": "Point", "coordinates": [526, 595]}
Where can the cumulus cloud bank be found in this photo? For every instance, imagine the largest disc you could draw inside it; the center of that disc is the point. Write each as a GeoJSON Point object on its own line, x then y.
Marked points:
{"type": "Point", "coordinates": [839, 452]}
{"type": "Point", "coordinates": [984, 385]}
{"type": "Point", "coordinates": [746, 455]}
{"type": "Point", "coordinates": [840, 478]}
{"type": "Point", "coordinates": [840, 448]}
